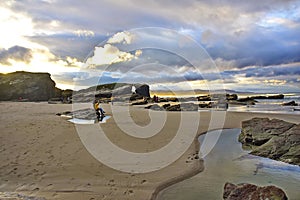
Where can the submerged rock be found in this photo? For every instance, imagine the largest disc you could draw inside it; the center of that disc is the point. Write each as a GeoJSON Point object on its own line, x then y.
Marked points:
{"type": "Point", "coordinates": [246, 191]}
{"type": "Point", "coordinates": [275, 139]}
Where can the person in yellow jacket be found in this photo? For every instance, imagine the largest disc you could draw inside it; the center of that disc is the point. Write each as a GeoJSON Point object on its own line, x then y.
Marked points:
{"type": "Point", "coordinates": [99, 111]}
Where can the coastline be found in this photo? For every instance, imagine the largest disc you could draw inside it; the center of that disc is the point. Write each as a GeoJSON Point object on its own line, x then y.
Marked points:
{"type": "Point", "coordinates": [57, 165]}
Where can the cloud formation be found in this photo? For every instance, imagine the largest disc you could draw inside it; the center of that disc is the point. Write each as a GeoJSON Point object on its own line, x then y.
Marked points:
{"type": "Point", "coordinates": [248, 40]}
{"type": "Point", "coordinates": [16, 53]}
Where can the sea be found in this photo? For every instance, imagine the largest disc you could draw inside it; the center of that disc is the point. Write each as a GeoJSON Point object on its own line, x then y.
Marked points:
{"type": "Point", "coordinates": [270, 105]}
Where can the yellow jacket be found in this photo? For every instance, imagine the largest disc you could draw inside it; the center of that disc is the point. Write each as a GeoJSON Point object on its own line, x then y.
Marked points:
{"type": "Point", "coordinates": [97, 106]}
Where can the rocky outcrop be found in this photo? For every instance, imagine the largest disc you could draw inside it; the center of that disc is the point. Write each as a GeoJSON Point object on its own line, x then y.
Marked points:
{"type": "Point", "coordinates": [143, 90]}
{"type": "Point", "coordinates": [291, 103]}
{"type": "Point", "coordinates": [252, 100]}
{"type": "Point", "coordinates": [117, 91]}
{"type": "Point", "coordinates": [278, 96]}
{"type": "Point", "coordinates": [275, 139]}
{"type": "Point", "coordinates": [155, 107]}
{"type": "Point", "coordinates": [230, 97]}
{"type": "Point", "coordinates": [247, 101]}
{"type": "Point", "coordinates": [140, 102]}
{"type": "Point", "coordinates": [204, 98]}
{"type": "Point", "coordinates": [246, 191]}
{"type": "Point", "coordinates": [27, 86]}
{"type": "Point", "coordinates": [179, 107]}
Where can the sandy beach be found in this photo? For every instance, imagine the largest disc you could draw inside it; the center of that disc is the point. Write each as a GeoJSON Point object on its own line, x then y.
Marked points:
{"type": "Point", "coordinates": [43, 156]}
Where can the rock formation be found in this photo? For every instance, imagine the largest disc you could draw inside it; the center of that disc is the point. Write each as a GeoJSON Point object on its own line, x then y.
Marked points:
{"type": "Point", "coordinates": [179, 107]}
{"type": "Point", "coordinates": [27, 86]}
{"type": "Point", "coordinates": [245, 191]}
{"type": "Point", "coordinates": [275, 139]}
{"type": "Point", "coordinates": [143, 90]}
{"type": "Point", "coordinates": [231, 97]}
{"type": "Point", "coordinates": [291, 103]}
{"type": "Point", "coordinates": [116, 91]}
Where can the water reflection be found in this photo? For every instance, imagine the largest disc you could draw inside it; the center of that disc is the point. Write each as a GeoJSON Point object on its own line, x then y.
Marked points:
{"type": "Point", "coordinates": [87, 121]}
{"type": "Point", "coordinates": [229, 162]}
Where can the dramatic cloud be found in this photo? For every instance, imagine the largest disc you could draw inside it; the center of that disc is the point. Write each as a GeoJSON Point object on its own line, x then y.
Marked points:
{"type": "Point", "coordinates": [107, 55]}
{"type": "Point", "coordinates": [16, 53]}
{"type": "Point", "coordinates": [121, 37]}
{"type": "Point", "coordinates": [251, 42]}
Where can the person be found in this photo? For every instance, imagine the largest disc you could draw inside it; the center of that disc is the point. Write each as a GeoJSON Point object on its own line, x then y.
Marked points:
{"type": "Point", "coordinates": [99, 111]}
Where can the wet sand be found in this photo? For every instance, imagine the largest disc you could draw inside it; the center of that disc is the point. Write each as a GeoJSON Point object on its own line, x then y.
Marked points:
{"type": "Point", "coordinates": [43, 156]}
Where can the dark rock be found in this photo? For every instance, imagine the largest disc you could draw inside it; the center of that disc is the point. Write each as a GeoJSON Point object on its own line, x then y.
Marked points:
{"type": "Point", "coordinates": [253, 98]}
{"type": "Point", "coordinates": [174, 108]}
{"type": "Point", "coordinates": [279, 96]}
{"type": "Point", "coordinates": [291, 103]}
{"type": "Point", "coordinates": [26, 85]}
{"type": "Point", "coordinates": [166, 105]}
{"type": "Point", "coordinates": [231, 97]}
{"type": "Point", "coordinates": [103, 95]}
{"type": "Point", "coordinates": [204, 98]}
{"type": "Point", "coordinates": [121, 92]}
{"type": "Point", "coordinates": [148, 107]}
{"type": "Point", "coordinates": [143, 90]}
{"type": "Point", "coordinates": [205, 105]}
{"type": "Point", "coordinates": [135, 97]}
{"type": "Point", "coordinates": [140, 102]}
{"type": "Point", "coordinates": [228, 188]}
{"type": "Point", "coordinates": [275, 139]}
{"type": "Point", "coordinates": [248, 100]}
{"type": "Point", "coordinates": [172, 99]}
{"type": "Point", "coordinates": [242, 102]}
{"type": "Point", "coordinates": [155, 107]}
{"type": "Point", "coordinates": [245, 191]}
{"type": "Point", "coordinates": [162, 100]}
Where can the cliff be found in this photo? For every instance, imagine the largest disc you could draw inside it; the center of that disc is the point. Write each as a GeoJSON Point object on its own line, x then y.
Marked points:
{"type": "Point", "coordinates": [27, 86]}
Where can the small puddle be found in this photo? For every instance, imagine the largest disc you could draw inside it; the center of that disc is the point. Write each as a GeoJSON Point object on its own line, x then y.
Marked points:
{"type": "Point", "coordinates": [88, 121]}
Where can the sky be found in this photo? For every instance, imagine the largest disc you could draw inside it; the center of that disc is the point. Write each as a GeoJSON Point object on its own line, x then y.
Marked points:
{"type": "Point", "coordinates": [251, 46]}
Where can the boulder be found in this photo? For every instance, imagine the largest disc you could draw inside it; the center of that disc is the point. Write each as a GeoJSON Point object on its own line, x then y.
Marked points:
{"type": "Point", "coordinates": [246, 191]}
{"type": "Point", "coordinates": [275, 139]}
{"type": "Point", "coordinates": [143, 90]}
